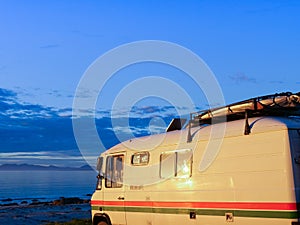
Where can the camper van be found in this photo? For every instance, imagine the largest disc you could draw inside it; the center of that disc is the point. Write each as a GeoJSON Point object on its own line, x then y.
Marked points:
{"type": "Point", "coordinates": [249, 173]}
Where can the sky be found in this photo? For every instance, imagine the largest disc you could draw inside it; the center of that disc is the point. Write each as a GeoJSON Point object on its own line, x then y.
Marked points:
{"type": "Point", "coordinates": [46, 47]}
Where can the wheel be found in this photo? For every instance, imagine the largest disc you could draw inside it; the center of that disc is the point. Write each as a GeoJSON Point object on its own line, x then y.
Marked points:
{"type": "Point", "coordinates": [101, 219]}
{"type": "Point", "coordinates": [102, 223]}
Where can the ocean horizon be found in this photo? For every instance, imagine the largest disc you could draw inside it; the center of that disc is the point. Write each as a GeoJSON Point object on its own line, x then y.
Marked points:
{"type": "Point", "coordinates": [44, 186]}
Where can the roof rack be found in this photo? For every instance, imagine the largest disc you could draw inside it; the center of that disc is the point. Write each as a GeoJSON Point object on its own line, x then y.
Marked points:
{"type": "Point", "coordinates": [282, 104]}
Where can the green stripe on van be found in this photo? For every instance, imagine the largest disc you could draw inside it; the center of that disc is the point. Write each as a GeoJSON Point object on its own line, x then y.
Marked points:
{"type": "Point", "coordinates": [206, 212]}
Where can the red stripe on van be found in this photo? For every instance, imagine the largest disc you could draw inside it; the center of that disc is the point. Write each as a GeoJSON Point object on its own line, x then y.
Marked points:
{"type": "Point", "coordinates": [205, 205]}
{"type": "Point", "coordinates": [230, 205]}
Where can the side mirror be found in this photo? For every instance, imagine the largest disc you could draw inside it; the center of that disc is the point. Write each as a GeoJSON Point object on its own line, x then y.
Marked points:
{"type": "Point", "coordinates": [99, 182]}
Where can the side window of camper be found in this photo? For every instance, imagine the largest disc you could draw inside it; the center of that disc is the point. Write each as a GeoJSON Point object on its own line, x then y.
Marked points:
{"type": "Point", "coordinates": [167, 164]}
{"type": "Point", "coordinates": [140, 158]}
{"type": "Point", "coordinates": [114, 171]}
{"type": "Point", "coordinates": [184, 163]}
{"type": "Point", "coordinates": [176, 164]}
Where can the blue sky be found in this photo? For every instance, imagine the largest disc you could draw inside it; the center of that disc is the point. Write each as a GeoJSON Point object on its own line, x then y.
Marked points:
{"type": "Point", "coordinates": [252, 47]}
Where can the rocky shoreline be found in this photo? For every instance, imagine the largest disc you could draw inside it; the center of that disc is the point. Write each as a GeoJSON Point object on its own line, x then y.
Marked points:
{"type": "Point", "coordinates": [38, 212]}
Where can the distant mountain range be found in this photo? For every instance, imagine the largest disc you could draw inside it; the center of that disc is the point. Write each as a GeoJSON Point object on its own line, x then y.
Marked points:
{"type": "Point", "coordinates": [38, 167]}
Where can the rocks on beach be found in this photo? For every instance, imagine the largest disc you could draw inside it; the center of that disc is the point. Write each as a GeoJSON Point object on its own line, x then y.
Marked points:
{"type": "Point", "coordinates": [60, 201]}
{"type": "Point", "coordinates": [66, 201]}
{"type": "Point", "coordinates": [36, 212]}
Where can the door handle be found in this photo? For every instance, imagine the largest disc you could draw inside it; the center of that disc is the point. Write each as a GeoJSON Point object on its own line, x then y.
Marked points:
{"type": "Point", "coordinates": [121, 198]}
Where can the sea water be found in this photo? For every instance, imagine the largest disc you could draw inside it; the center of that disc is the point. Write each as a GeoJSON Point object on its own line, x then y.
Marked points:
{"type": "Point", "coordinates": [45, 185]}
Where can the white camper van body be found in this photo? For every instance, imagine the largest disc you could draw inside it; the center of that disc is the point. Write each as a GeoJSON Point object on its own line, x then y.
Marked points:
{"type": "Point", "coordinates": [252, 179]}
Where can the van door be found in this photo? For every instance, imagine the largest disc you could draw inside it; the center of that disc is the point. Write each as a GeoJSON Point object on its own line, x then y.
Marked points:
{"type": "Point", "coordinates": [294, 138]}
{"type": "Point", "coordinates": [114, 188]}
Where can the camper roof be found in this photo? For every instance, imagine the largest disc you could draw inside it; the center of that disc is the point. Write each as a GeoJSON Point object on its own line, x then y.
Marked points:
{"type": "Point", "coordinates": [203, 133]}
{"type": "Point", "coordinates": [255, 115]}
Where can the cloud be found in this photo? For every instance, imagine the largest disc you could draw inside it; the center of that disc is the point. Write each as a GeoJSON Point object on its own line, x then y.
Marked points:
{"type": "Point", "coordinates": [66, 112]}
{"type": "Point", "coordinates": [59, 158]}
{"type": "Point", "coordinates": [59, 94]}
{"type": "Point", "coordinates": [32, 133]}
{"type": "Point", "coordinates": [152, 111]}
{"type": "Point", "coordinates": [32, 127]}
{"type": "Point", "coordinates": [11, 106]}
{"type": "Point", "coordinates": [39, 155]}
{"type": "Point", "coordinates": [52, 97]}
{"type": "Point", "coordinates": [242, 78]}
{"type": "Point", "coordinates": [86, 93]}
{"type": "Point", "coordinates": [55, 93]}
{"type": "Point", "coordinates": [4, 93]}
